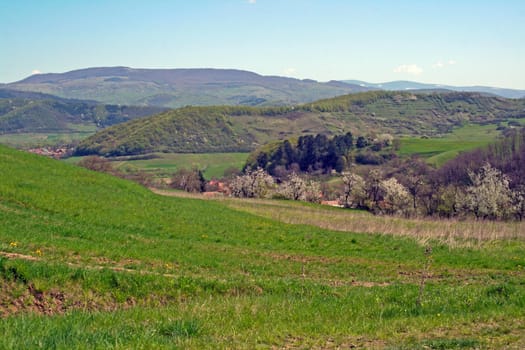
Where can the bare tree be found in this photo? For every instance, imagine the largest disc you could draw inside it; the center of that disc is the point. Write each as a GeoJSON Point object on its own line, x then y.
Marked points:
{"type": "Point", "coordinates": [519, 202]}
{"type": "Point", "coordinates": [354, 193]}
{"type": "Point", "coordinates": [97, 163]}
{"type": "Point", "coordinates": [313, 192]}
{"type": "Point", "coordinates": [188, 180]}
{"type": "Point", "coordinates": [373, 188]}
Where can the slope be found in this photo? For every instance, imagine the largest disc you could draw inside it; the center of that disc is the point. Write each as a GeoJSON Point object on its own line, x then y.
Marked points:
{"type": "Point", "coordinates": [180, 87]}
{"type": "Point", "coordinates": [221, 129]}
{"type": "Point", "coordinates": [23, 112]}
{"type": "Point", "coordinates": [91, 261]}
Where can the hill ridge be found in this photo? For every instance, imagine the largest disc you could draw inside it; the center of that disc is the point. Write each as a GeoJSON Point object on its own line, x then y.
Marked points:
{"type": "Point", "coordinates": [179, 87]}
{"type": "Point", "coordinates": [243, 128]}
{"type": "Point", "coordinates": [404, 85]}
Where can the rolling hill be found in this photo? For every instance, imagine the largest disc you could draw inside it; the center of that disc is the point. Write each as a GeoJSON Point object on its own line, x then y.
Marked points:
{"type": "Point", "coordinates": [30, 112]}
{"type": "Point", "coordinates": [227, 129]}
{"type": "Point", "coordinates": [180, 87]}
{"type": "Point", "coordinates": [90, 261]}
{"type": "Point", "coordinates": [402, 85]}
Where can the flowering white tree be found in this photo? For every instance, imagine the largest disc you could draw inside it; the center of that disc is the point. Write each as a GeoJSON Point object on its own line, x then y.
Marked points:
{"type": "Point", "coordinates": [354, 192]}
{"type": "Point", "coordinates": [489, 196]}
{"type": "Point", "coordinates": [296, 188]}
{"type": "Point", "coordinates": [396, 198]}
{"type": "Point", "coordinates": [313, 192]}
{"type": "Point", "coordinates": [253, 184]}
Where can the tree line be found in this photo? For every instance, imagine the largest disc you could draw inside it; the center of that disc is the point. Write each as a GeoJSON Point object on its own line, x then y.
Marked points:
{"type": "Point", "coordinates": [321, 154]}
{"type": "Point", "coordinates": [486, 183]}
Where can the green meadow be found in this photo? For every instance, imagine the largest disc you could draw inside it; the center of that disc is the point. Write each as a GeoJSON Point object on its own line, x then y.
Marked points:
{"type": "Point", "coordinates": [89, 261]}
{"type": "Point", "coordinates": [28, 140]}
{"type": "Point", "coordinates": [213, 165]}
{"type": "Point", "coordinates": [438, 150]}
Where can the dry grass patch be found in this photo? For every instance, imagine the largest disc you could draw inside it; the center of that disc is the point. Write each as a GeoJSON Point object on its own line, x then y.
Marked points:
{"type": "Point", "coordinates": [453, 232]}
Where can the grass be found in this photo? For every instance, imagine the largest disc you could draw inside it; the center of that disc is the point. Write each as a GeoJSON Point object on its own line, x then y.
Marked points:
{"type": "Point", "coordinates": [439, 150]}
{"type": "Point", "coordinates": [451, 232]}
{"type": "Point", "coordinates": [92, 261]}
{"type": "Point", "coordinates": [27, 140]}
{"type": "Point", "coordinates": [213, 165]}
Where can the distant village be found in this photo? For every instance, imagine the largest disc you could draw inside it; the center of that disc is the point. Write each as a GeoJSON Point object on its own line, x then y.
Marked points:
{"type": "Point", "coordinates": [57, 153]}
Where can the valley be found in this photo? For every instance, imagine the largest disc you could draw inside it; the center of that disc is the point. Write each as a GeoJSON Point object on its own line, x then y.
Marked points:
{"type": "Point", "coordinates": [269, 175]}
{"type": "Point", "coordinates": [91, 260]}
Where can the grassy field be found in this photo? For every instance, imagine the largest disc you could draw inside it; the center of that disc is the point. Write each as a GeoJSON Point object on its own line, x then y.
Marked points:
{"type": "Point", "coordinates": [213, 165]}
{"type": "Point", "coordinates": [28, 140]}
{"type": "Point", "coordinates": [439, 150]}
{"type": "Point", "coordinates": [90, 261]}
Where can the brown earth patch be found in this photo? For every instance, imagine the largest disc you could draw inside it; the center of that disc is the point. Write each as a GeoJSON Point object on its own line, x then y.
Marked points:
{"type": "Point", "coordinates": [19, 256]}
{"type": "Point", "coordinates": [294, 342]}
{"type": "Point", "coordinates": [18, 298]}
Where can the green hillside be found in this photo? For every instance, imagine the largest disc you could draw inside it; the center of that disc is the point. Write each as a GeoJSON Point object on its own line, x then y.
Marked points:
{"type": "Point", "coordinates": [439, 150]}
{"type": "Point", "coordinates": [225, 129]}
{"type": "Point", "coordinates": [91, 261]}
{"type": "Point", "coordinates": [48, 114]}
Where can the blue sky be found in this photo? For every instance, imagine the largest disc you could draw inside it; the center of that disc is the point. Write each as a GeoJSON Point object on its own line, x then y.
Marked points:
{"type": "Point", "coordinates": [446, 42]}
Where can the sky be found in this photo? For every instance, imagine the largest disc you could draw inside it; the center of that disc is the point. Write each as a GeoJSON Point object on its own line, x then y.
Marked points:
{"type": "Point", "coordinates": [452, 42]}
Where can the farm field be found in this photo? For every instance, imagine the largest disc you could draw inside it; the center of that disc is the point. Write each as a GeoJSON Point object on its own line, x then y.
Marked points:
{"type": "Point", "coordinates": [438, 150]}
{"type": "Point", "coordinates": [28, 140]}
{"type": "Point", "coordinates": [212, 165]}
{"type": "Point", "coordinates": [92, 261]}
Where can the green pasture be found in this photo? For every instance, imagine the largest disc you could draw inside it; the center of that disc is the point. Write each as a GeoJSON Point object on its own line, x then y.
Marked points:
{"type": "Point", "coordinates": [90, 261]}
{"type": "Point", "coordinates": [212, 165]}
{"type": "Point", "coordinates": [438, 150]}
{"type": "Point", "coordinates": [28, 140]}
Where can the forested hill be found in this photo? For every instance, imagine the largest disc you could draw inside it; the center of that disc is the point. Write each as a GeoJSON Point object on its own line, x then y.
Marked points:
{"type": "Point", "coordinates": [242, 128]}
{"type": "Point", "coordinates": [181, 87]}
{"type": "Point", "coordinates": [23, 112]}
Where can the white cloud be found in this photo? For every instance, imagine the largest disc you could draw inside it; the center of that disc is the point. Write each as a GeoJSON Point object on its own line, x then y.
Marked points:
{"type": "Point", "coordinates": [439, 64]}
{"type": "Point", "coordinates": [412, 69]}
{"type": "Point", "coordinates": [252, 2]}
{"type": "Point", "coordinates": [36, 71]}
{"type": "Point", "coordinates": [289, 71]}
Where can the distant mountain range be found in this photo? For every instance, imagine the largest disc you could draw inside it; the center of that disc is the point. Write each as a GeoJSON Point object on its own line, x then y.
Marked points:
{"type": "Point", "coordinates": [401, 85]}
{"type": "Point", "coordinates": [181, 87]}
{"type": "Point", "coordinates": [174, 88]}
